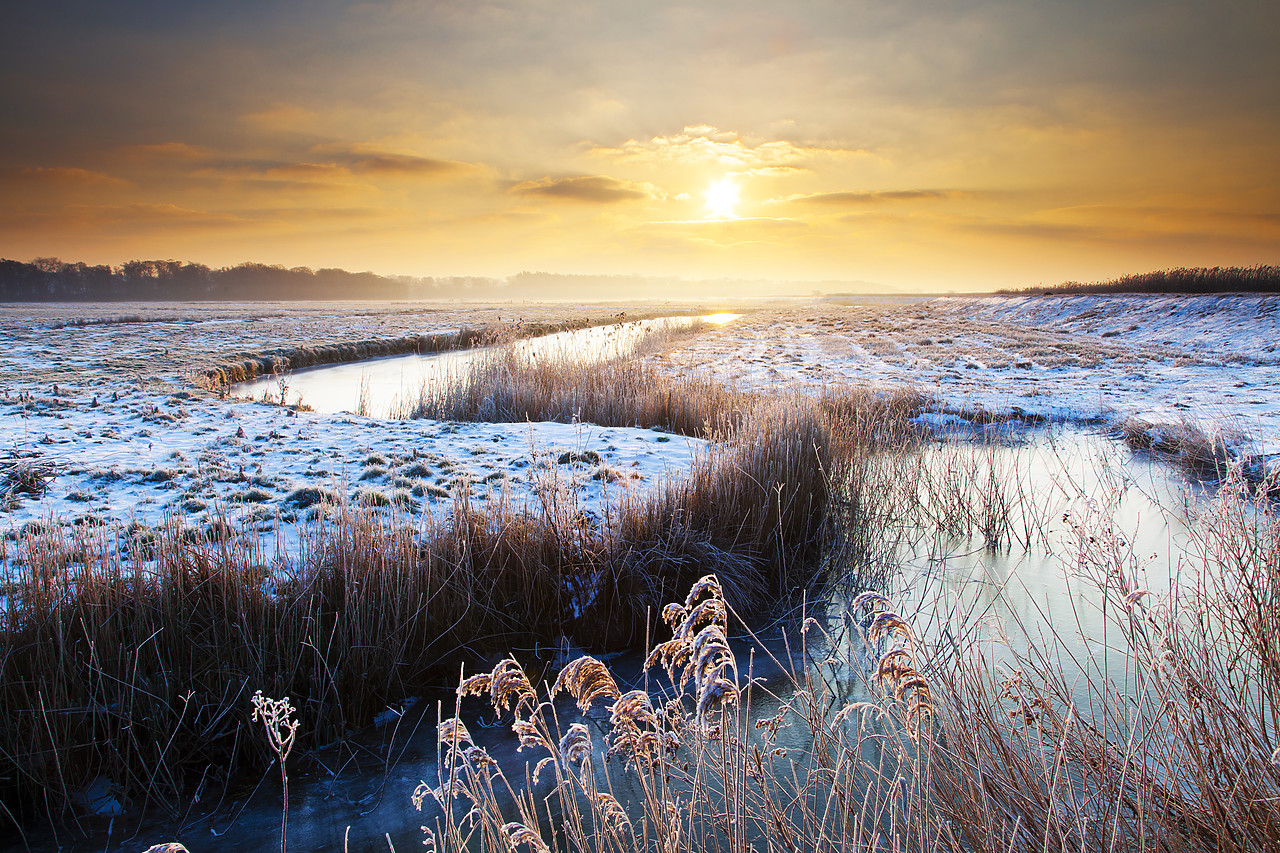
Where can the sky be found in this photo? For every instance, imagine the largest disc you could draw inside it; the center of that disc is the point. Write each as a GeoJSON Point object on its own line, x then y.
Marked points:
{"type": "Point", "coordinates": [916, 144]}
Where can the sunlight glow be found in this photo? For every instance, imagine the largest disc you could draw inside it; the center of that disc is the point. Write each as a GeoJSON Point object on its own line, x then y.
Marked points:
{"type": "Point", "coordinates": [722, 199]}
{"type": "Point", "coordinates": [721, 319]}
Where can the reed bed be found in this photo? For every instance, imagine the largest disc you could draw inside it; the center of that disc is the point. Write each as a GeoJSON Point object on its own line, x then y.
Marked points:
{"type": "Point", "coordinates": [1206, 454]}
{"type": "Point", "coordinates": [247, 366]}
{"type": "Point", "coordinates": [952, 743]}
{"type": "Point", "coordinates": [252, 365]}
{"type": "Point", "coordinates": [508, 384]}
{"type": "Point", "coordinates": [1260, 278]}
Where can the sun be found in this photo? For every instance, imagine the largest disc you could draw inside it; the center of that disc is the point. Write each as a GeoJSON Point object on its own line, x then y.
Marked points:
{"type": "Point", "coordinates": [722, 199]}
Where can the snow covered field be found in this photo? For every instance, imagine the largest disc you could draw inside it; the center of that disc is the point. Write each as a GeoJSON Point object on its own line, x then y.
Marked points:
{"type": "Point", "coordinates": [1207, 360]}
{"type": "Point", "coordinates": [130, 436]}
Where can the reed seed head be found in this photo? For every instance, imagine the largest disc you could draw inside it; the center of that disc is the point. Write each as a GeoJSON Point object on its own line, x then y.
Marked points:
{"type": "Point", "coordinates": [615, 817]}
{"type": "Point", "coordinates": [530, 736]}
{"type": "Point", "coordinates": [575, 746]}
{"type": "Point", "coordinates": [510, 688]}
{"type": "Point", "coordinates": [586, 680]}
{"type": "Point", "coordinates": [517, 834]}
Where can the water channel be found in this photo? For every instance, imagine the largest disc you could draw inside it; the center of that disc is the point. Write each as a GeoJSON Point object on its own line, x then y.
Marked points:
{"type": "Point", "coordinates": [389, 387]}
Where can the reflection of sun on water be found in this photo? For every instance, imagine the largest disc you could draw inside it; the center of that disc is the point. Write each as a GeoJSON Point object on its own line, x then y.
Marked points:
{"type": "Point", "coordinates": [722, 198]}
{"type": "Point", "coordinates": [721, 319]}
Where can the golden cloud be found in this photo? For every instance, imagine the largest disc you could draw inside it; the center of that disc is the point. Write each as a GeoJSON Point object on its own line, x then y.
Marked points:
{"type": "Point", "coordinates": [335, 169]}
{"type": "Point", "coordinates": [117, 219]}
{"type": "Point", "coordinates": [594, 189]}
{"type": "Point", "coordinates": [704, 144]}
{"type": "Point", "coordinates": [874, 197]}
{"type": "Point", "coordinates": [383, 163]}
{"type": "Point", "coordinates": [165, 151]}
{"type": "Point", "coordinates": [62, 177]}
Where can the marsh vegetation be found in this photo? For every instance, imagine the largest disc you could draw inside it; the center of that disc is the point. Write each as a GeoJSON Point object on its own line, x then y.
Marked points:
{"type": "Point", "coordinates": [930, 714]}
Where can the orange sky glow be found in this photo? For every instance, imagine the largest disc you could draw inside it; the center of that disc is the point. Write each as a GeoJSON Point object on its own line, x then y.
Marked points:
{"type": "Point", "coordinates": [914, 145]}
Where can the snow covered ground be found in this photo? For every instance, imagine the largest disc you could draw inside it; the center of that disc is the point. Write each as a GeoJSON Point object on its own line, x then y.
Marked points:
{"type": "Point", "coordinates": [147, 457]}
{"type": "Point", "coordinates": [1207, 360]}
{"type": "Point", "coordinates": [131, 438]}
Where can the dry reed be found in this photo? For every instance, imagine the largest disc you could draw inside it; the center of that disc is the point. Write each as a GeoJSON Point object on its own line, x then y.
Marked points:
{"type": "Point", "coordinates": [953, 746]}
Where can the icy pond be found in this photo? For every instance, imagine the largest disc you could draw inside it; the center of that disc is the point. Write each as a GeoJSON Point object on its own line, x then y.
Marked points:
{"type": "Point", "coordinates": [1063, 482]}
{"type": "Point", "coordinates": [389, 387]}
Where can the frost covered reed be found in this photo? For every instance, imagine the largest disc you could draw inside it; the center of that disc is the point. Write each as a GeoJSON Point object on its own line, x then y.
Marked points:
{"type": "Point", "coordinates": [692, 763]}
{"type": "Point", "coordinates": [1166, 740]}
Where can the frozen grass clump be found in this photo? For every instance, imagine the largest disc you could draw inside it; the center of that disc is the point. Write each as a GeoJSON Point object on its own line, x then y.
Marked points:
{"type": "Point", "coordinates": [1201, 452]}
{"type": "Point", "coordinates": [309, 496]}
{"type": "Point", "coordinates": [585, 457]}
{"type": "Point", "coordinates": [367, 497]}
{"type": "Point", "coordinates": [429, 490]}
{"type": "Point", "coordinates": [24, 477]}
{"type": "Point", "coordinates": [417, 470]}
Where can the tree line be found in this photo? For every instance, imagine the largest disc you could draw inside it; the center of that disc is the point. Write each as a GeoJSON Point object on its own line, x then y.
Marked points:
{"type": "Point", "coordinates": [52, 280]}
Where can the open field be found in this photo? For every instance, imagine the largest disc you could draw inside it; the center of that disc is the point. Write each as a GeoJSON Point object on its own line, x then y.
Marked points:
{"type": "Point", "coordinates": [130, 420]}
{"type": "Point", "coordinates": [220, 546]}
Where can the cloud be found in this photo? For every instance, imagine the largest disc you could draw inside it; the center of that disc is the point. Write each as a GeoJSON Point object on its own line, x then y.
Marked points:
{"type": "Point", "coordinates": [165, 152]}
{"type": "Point", "coordinates": [118, 219]}
{"type": "Point", "coordinates": [164, 215]}
{"type": "Point", "coordinates": [63, 177]}
{"type": "Point", "coordinates": [404, 164]}
{"type": "Point", "coordinates": [594, 189]}
{"type": "Point", "coordinates": [1133, 225]}
{"type": "Point", "coordinates": [331, 168]}
{"type": "Point", "coordinates": [327, 214]}
{"type": "Point", "coordinates": [307, 172]}
{"type": "Point", "coordinates": [703, 144]}
{"type": "Point", "coordinates": [875, 197]}
{"type": "Point", "coordinates": [721, 233]}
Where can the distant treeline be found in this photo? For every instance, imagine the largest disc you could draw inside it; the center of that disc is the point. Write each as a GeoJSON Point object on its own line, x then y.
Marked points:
{"type": "Point", "coordinates": [1263, 278]}
{"type": "Point", "coordinates": [51, 280]}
